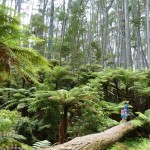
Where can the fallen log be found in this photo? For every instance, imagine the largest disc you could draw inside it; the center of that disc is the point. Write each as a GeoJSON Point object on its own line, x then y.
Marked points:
{"type": "Point", "coordinates": [98, 141]}
{"type": "Point", "coordinates": [103, 140]}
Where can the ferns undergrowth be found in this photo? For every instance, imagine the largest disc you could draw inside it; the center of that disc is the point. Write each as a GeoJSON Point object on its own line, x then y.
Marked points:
{"type": "Point", "coordinates": [132, 144]}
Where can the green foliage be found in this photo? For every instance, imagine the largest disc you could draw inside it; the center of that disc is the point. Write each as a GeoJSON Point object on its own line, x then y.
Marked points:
{"type": "Point", "coordinates": [86, 121]}
{"type": "Point", "coordinates": [18, 98]}
{"type": "Point", "coordinates": [75, 95]}
{"type": "Point", "coordinates": [143, 87]}
{"type": "Point", "coordinates": [29, 102]}
{"type": "Point", "coordinates": [75, 32]}
{"type": "Point", "coordinates": [25, 127]}
{"type": "Point", "coordinates": [89, 107]}
{"type": "Point", "coordinates": [118, 146]}
{"type": "Point", "coordinates": [37, 25]}
{"type": "Point", "coordinates": [91, 119]}
{"type": "Point", "coordinates": [147, 113]}
{"type": "Point", "coordinates": [137, 123]}
{"type": "Point", "coordinates": [59, 77]}
{"type": "Point", "coordinates": [140, 120]}
{"type": "Point", "coordinates": [126, 76]}
{"type": "Point", "coordinates": [12, 55]}
{"type": "Point", "coordinates": [136, 21]}
{"type": "Point", "coordinates": [132, 144]}
{"type": "Point", "coordinates": [120, 84]}
{"type": "Point", "coordinates": [86, 73]}
{"type": "Point", "coordinates": [97, 49]}
{"type": "Point", "coordinates": [8, 121]}
{"type": "Point", "coordinates": [58, 72]}
{"type": "Point", "coordinates": [138, 144]}
{"type": "Point", "coordinates": [45, 115]}
{"type": "Point", "coordinates": [13, 144]}
{"type": "Point", "coordinates": [72, 101]}
{"type": "Point", "coordinates": [60, 14]}
{"type": "Point", "coordinates": [87, 112]}
{"type": "Point", "coordinates": [41, 144]}
{"type": "Point", "coordinates": [9, 28]}
{"type": "Point", "coordinates": [112, 108]}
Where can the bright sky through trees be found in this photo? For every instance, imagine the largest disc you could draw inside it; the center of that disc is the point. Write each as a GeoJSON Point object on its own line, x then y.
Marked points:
{"type": "Point", "coordinates": [31, 7]}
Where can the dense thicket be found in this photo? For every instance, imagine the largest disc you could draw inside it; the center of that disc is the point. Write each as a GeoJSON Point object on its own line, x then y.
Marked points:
{"type": "Point", "coordinates": [67, 67]}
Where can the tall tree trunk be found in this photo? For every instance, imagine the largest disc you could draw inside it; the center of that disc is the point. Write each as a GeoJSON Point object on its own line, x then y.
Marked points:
{"type": "Point", "coordinates": [99, 21]}
{"type": "Point", "coordinates": [106, 9]}
{"type": "Point", "coordinates": [90, 34]}
{"type": "Point", "coordinates": [64, 21]}
{"type": "Point", "coordinates": [145, 62]}
{"type": "Point", "coordinates": [127, 36]}
{"type": "Point", "coordinates": [43, 17]}
{"type": "Point", "coordinates": [136, 27]}
{"type": "Point", "coordinates": [141, 59]}
{"type": "Point", "coordinates": [118, 35]}
{"type": "Point", "coordinates": [62, 31]}
{"type": "Point", "coordinates": [148, 32]}
{"type": "Point", "coordinates": [123, 59]}
{"type": "Point", "coordinates": [51, 27]}
{"type": "Point", "coordinates": [19, 4]}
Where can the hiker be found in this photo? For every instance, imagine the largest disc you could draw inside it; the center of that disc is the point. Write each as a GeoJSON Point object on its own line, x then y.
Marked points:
{"type": "Point", "coordinates": [123, 115]}
{"type": "Point", "coordinates": [126, 108]}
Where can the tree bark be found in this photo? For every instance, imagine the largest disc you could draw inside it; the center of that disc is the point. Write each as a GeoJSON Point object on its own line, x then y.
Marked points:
{"type": "Point", "coordinates": [123, 59]}
{"type": "Point", "coordinates": [51, 29]}
{"type": "Point", "coordinates": [45, 2]}
{"type": "Point", "coordinates": [104, 46]}
{"type": "Point", "coordinates": [118, 35]}
{"type": "Point", "coordinates": [19, 4]}
{"type": "Point", "coordinates": [127, 35]}
{"type": "Point", "coordinates": [63, 126]}
{"type": "Point", "coordinates": [148, 31]}
{"type": "Point", "coordinates": [99, 141]}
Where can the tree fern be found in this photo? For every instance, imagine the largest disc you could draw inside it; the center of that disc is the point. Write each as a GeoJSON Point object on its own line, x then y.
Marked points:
{"type": "Point", "coordinates": [12, 55]}
{"type": "Point", "coordinates": [9, 28]}
{"type": "Point", "coordinates": [140, 120]}
{"type": "Point", "coordinates": [16, 98]}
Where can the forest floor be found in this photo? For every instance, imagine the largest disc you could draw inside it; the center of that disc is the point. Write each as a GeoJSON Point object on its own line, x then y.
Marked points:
{"type": "Point", "coordinates": [138, 143]}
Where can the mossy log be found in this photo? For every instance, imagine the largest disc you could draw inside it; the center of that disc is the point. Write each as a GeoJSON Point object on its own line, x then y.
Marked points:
{"type": "Point", "coordinates": [99, 141]}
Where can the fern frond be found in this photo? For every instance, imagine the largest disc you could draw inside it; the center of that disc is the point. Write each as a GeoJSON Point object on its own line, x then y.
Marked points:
{"type": "Point", "coordinates": [136, 123]}
{"type": "Point", "coordinates": [41, 144]}
{"type": "Point", "coordinates": [147, 113]}
{"type": "Point", "coordinates": [12, 55]}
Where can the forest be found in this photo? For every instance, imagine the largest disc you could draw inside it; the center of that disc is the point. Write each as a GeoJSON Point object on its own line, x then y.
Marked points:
{"type": "Point", "coordinates": [67, 67]}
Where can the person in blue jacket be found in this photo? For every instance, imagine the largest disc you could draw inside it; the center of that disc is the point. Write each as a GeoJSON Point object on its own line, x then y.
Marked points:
{"type": "Point", "coordinates": [126, 108]}
{"type": "Point", "coordinates": [123, 115]}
